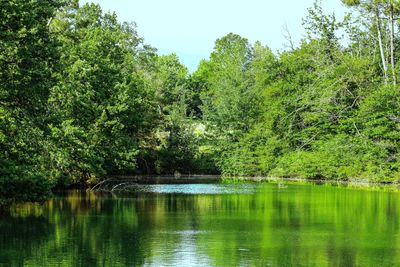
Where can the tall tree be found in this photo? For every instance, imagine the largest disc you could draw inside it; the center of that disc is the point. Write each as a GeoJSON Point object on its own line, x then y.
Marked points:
{"type": "Point", "coordinates": [28, 57]}
{"type": "Point", "coordinates": [102, 104]}
{"type": "Point", "coordinates": [228, 97]}
{"type": "Point", "coordinates": [393, 10]}
{"type": "Point", "coordinates": [377, 10]}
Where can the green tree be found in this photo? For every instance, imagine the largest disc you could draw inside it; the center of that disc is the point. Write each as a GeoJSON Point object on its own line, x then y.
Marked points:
{"type": "Point", "coordinates": [377, 10]}
{"type": "Point", "coordinates": [28, 57]}
{"type": "Point", "coordinates": [228, 99]}
{"type": "Point", "coordinates": [102, 104]}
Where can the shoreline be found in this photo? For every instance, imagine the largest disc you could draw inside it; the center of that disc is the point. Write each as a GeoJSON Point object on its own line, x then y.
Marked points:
{"type": "Point", "coordinates": [210, 179]}
{"type": "Point", "coordinates": [353, 183]}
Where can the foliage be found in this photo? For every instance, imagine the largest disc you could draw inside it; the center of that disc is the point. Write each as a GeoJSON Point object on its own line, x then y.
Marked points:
{"type": "Point", "coordinates": [83, 97]}
{"type": "Point", "coordinates": [27, 62]}
{"type": "Point", "coordinates": [323, 111]}
{"type": "Point", "coordinates": [100, 105]}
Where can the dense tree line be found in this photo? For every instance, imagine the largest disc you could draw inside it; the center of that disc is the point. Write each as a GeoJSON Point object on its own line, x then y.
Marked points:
{"type": "Point", "coordinates": [82, 97]}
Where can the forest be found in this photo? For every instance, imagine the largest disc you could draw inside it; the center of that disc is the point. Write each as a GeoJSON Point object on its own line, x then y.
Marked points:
{"type": "Point", "coordinates": [82, 96]}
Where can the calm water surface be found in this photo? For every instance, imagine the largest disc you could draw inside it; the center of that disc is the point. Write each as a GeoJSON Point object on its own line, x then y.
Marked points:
{"type": "Point", "coordinates": [207, 225]}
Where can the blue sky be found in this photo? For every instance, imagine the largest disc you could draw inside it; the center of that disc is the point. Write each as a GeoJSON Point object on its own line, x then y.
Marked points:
{"type": "Point", "coordinates": [189, 28]}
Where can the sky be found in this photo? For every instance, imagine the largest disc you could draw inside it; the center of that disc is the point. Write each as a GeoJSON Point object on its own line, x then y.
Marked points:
{"type": "Point", "coordinates": [189, 28]}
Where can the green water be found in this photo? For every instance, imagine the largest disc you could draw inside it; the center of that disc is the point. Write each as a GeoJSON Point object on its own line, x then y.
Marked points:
{"type": "Point", "coordinates": [207, 225]}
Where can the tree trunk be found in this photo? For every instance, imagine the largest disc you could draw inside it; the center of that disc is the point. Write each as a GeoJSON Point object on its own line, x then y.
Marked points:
{"type": "Point", "coordinates": [392, 60]}
{"type": "Point", "coordinates": [382, 52]}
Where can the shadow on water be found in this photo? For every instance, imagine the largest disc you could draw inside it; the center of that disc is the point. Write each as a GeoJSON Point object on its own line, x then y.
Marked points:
{"type": "Point", "coordinates": [206, 224]}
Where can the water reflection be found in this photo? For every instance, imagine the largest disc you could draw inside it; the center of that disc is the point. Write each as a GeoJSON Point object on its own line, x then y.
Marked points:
{"type": "Point", "coordinates": [207, 225]}
{"type": "Point", "coordinates": [198, 189]}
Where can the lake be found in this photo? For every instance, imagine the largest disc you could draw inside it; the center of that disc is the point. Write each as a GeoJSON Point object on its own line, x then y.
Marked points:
{"type": "Point", "coordinates": [249, 224]}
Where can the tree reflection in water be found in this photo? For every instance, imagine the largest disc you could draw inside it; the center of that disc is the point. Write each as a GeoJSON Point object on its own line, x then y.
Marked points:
{"type": "Point", "coordinates": [223, 225]}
